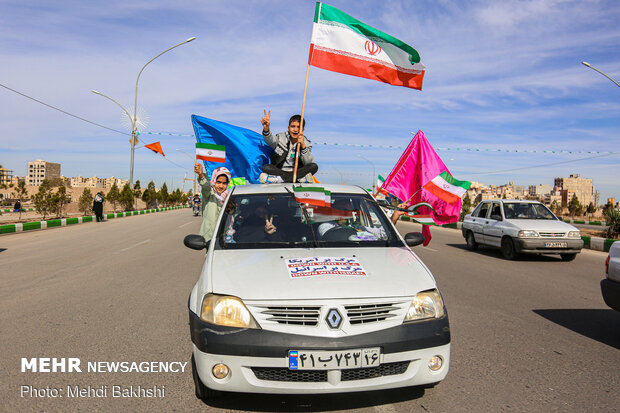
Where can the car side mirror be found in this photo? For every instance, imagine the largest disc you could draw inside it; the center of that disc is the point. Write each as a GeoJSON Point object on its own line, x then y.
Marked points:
{"type": "Point", "coordinates": [195, 242]}
{"type": "Point", "coordinates": [414, 238]}
{"type": "Point", "coordinates": [496, 217]}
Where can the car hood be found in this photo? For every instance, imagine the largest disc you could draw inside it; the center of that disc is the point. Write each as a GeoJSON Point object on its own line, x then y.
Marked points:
{"type": "Point", "coordinates": [542, 225]}
{"type": "Point", "coordinates": [263, 274]}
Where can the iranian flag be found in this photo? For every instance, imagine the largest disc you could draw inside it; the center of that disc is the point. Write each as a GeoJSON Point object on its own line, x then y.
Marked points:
{"type": "Point", "coordinates": [210, 152]}
{"type": "Point", "coordinates": [380, 181]}
{"type": "Point", "coordinates": [445, 187]}
{"type": "Point", "coordinates": [312, 195]}
{"type": "Point", "coordinates": [343, 44]}
{"type": "Point", "coordinates": [424, 219]}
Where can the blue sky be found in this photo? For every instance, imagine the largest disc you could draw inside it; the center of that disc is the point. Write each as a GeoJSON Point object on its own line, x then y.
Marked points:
{"type": "Point", "coordinates": [500, 75]}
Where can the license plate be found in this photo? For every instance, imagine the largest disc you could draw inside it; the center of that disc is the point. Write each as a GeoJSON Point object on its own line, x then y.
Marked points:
{"type": "Point", "coordinates": [556, 244]}
{"type": "Point", "coordinates": [337, 359]}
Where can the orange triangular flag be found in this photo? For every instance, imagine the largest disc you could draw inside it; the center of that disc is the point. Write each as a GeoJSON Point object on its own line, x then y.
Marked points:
{"type": "Point", "coordinates": [314, 180]}
{"type": "Point", "coordinates": [155, 147]}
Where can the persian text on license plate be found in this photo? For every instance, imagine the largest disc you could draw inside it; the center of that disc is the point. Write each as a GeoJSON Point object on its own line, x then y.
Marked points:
{"type": "Point", "coordinates": [336, 359]}
{"type": "Point", "coordinates": [555, 245]}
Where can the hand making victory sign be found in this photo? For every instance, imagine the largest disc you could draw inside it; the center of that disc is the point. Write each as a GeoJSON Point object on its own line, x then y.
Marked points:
{"type": "Point", "coordinates": [265, 120]}
{"type": "Point", "coordinates": [269, 227]}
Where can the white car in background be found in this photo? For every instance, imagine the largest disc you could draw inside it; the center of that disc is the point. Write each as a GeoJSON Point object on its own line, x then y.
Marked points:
{"type": "Point", "coordinates": [520, 227]}
{"type": "Point", "coordinates": [332, 301]}
{"type": "Point", "coordinates": [610, 285]}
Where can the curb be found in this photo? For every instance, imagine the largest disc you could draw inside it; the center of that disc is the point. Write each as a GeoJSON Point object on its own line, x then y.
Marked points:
{"type": "Point", "coordinates": [63, 222]}
{"type": "Point", "coordinates": [592, 243]}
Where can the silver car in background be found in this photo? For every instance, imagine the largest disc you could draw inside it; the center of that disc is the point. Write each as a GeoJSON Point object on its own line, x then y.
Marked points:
{"type": "Point", "coordinates": [520, 227]}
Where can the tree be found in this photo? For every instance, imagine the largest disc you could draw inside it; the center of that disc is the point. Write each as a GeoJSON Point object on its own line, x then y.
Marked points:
{"type": "Point", "coordinates": [164, 195]}
{"type": "Point", "coordinates": [149, 196]}
{"type": "Point", "coordinates": [42, 200]}
{"type": "Point", "coordinates": [20, 193]}
{"type": "Point", "coordinates": [85, 203]}
{"type": "Point", "coordinates": [574, 207]}
{"type": "Point", "coordinates": [590, 210]}
{"type": "Point", "coordinates": [58, 201]}
{"type": "Point", "coordinates": [466, 206]}
{"type": "Point", "coordinates": [126, 198]}
{"type": "Point", "coordinates": [137, 192]}
{"type": "Point", "coordinates": [556, 208]}
{"type": "Point", "coordinates": [114, 195]}
{"type": "Point", "coordinates": [612, 219]}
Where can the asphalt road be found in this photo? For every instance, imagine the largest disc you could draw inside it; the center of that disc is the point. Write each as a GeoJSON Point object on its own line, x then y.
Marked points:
{"type": "Point", "coordinates": [527, 335]}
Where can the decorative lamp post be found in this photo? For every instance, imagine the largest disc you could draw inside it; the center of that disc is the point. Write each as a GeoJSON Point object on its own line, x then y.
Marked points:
{"type": "Point", "coordinates": [134, 119]}
{"type": "Point", "coordinates": [594, 68]}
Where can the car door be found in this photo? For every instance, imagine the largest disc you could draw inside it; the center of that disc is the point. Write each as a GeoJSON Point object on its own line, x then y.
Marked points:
{"type": "Point", "coordinates": [494, 226]}
{"type": "Point", "coordinates": [478, 221]}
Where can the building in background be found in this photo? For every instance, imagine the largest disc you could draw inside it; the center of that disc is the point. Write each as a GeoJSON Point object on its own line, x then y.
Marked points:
{"type": "Point", "coordinates": [39, 170]}
{"type": "Point", "coordinates": [6, 176]}
{"type": "Point", "coordinates": [575, 185]}
{"type": "Point", "coordinates": [540, 192]}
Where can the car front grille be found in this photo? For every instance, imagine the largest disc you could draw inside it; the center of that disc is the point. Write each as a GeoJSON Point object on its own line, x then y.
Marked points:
{"type": "Point", "coordinates": [389, 369]}
{"type": "Point", "coordinates": [284, 374]}
{"type": "Point", "coordinates": [552, 234]}
{"type": "Point", "coordinates": [309, 315]}
{"type": "Point", "coordinates": [313, 376]}
{"type": "Point", "coordinates": [305, 316]}
{"type": "Point", "coordinates": [370, 313]}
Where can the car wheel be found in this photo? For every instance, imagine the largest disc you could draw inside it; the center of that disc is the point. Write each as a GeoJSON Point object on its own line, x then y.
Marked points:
{"type": "Point", "coordinates": [508, 249]}
{"type": "Point", "coordinates": [568, 257]}
{"type": "Point", "coordinates": [202, 391]}
{"type": "Point", "coordinates": [472, 245]}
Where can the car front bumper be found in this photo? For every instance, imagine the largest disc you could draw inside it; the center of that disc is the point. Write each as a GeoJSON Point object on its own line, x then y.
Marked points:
{"type": "Point", "coordinates": [611, 293]}
{"type": "Point", "coordinates": [537, 245]}
{"type": "Point", "coordinates": [258, 359]}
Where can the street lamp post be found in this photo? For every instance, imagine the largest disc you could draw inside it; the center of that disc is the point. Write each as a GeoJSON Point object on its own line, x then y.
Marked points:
{"type": "Point", "coordinates": [133, 119]}
{"type": "Point", "coordinates": [594, 68]}
{"type": "Point", "coordinates": [193, 159]}
{"type": "Point", "coordinates": [373, 171]}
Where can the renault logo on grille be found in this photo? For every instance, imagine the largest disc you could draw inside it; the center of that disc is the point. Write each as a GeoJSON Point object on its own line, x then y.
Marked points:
{"type": "Point", "coordinates": [334, 319]}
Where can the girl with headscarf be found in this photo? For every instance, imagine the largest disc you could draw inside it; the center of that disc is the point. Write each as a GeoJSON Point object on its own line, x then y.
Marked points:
{"type": "Point", "coordinates": [214, 194]}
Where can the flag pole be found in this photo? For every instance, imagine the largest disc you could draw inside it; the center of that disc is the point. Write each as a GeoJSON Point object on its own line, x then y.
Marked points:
{"type": "Point", "coordinates": [301, 123]}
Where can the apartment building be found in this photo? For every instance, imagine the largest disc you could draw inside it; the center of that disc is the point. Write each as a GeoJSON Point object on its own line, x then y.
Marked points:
{"type": "Point", "coordinates": [39, 170]}
{"type": "Point", "coordinates": [577, 186]}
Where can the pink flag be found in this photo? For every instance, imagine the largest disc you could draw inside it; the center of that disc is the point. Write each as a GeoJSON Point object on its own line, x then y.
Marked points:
{"type": "Point", "coordinates": [418, 165]}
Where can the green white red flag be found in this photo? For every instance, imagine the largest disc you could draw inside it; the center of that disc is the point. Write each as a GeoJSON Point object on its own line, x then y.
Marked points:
{"type": "Point", "coordinates": [447, 188]}
{"type": "Point", "coordinates": [312, 195]}
{"type": "Point", "coordinates": [380, 181]}
{"type": "Point", "coordinates": [210, 152]}
{"type": "Point", "coordinates": [343, 44]}
{"type": "Point", "coordinates": [424, 219]}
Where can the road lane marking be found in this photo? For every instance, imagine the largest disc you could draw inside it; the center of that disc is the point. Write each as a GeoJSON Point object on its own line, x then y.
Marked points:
{"type": "Point", "coordinates": [187, 223]}
{"type": "Point", "coordinates": [132, 246]}
{"type": "Point", "coordinates": [430, 249]}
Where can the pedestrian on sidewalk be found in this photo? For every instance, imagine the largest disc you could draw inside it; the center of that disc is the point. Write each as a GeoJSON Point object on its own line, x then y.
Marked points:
{"type": "Point", "coordinates": [98, 206]}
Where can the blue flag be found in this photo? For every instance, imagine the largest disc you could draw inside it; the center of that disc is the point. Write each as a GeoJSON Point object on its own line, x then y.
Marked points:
{"type": "Point", "coordinates": [246, 150]}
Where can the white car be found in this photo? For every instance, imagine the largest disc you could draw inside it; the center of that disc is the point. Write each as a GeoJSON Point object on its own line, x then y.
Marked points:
{"type": "Point", "coordinates": [517, 227]}
{"type": "Point", "coordinates": [610, 286]}
{"type": "Point", "coordinates": [302, 299]}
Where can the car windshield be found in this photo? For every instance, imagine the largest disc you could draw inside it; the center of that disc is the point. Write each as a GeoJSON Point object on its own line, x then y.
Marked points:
{"type": "Point", "coordinates": [527, 210]}
{"type": "Point", "coordinates": [278, 220]}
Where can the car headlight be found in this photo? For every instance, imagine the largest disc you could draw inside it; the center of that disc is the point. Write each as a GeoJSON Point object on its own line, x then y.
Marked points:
{"type": "Point", "coordinates": [527, 234]}
{"type": "Point", "coordinates": [225, 310]}
{"type": "Point", "coordinates": [424, 305]}
{"type": "Point", "coordinates": [574, 234]}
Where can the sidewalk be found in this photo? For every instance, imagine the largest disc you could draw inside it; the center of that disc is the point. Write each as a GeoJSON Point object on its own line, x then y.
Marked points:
{"type": "Point", "coordinates": [63, 222]}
